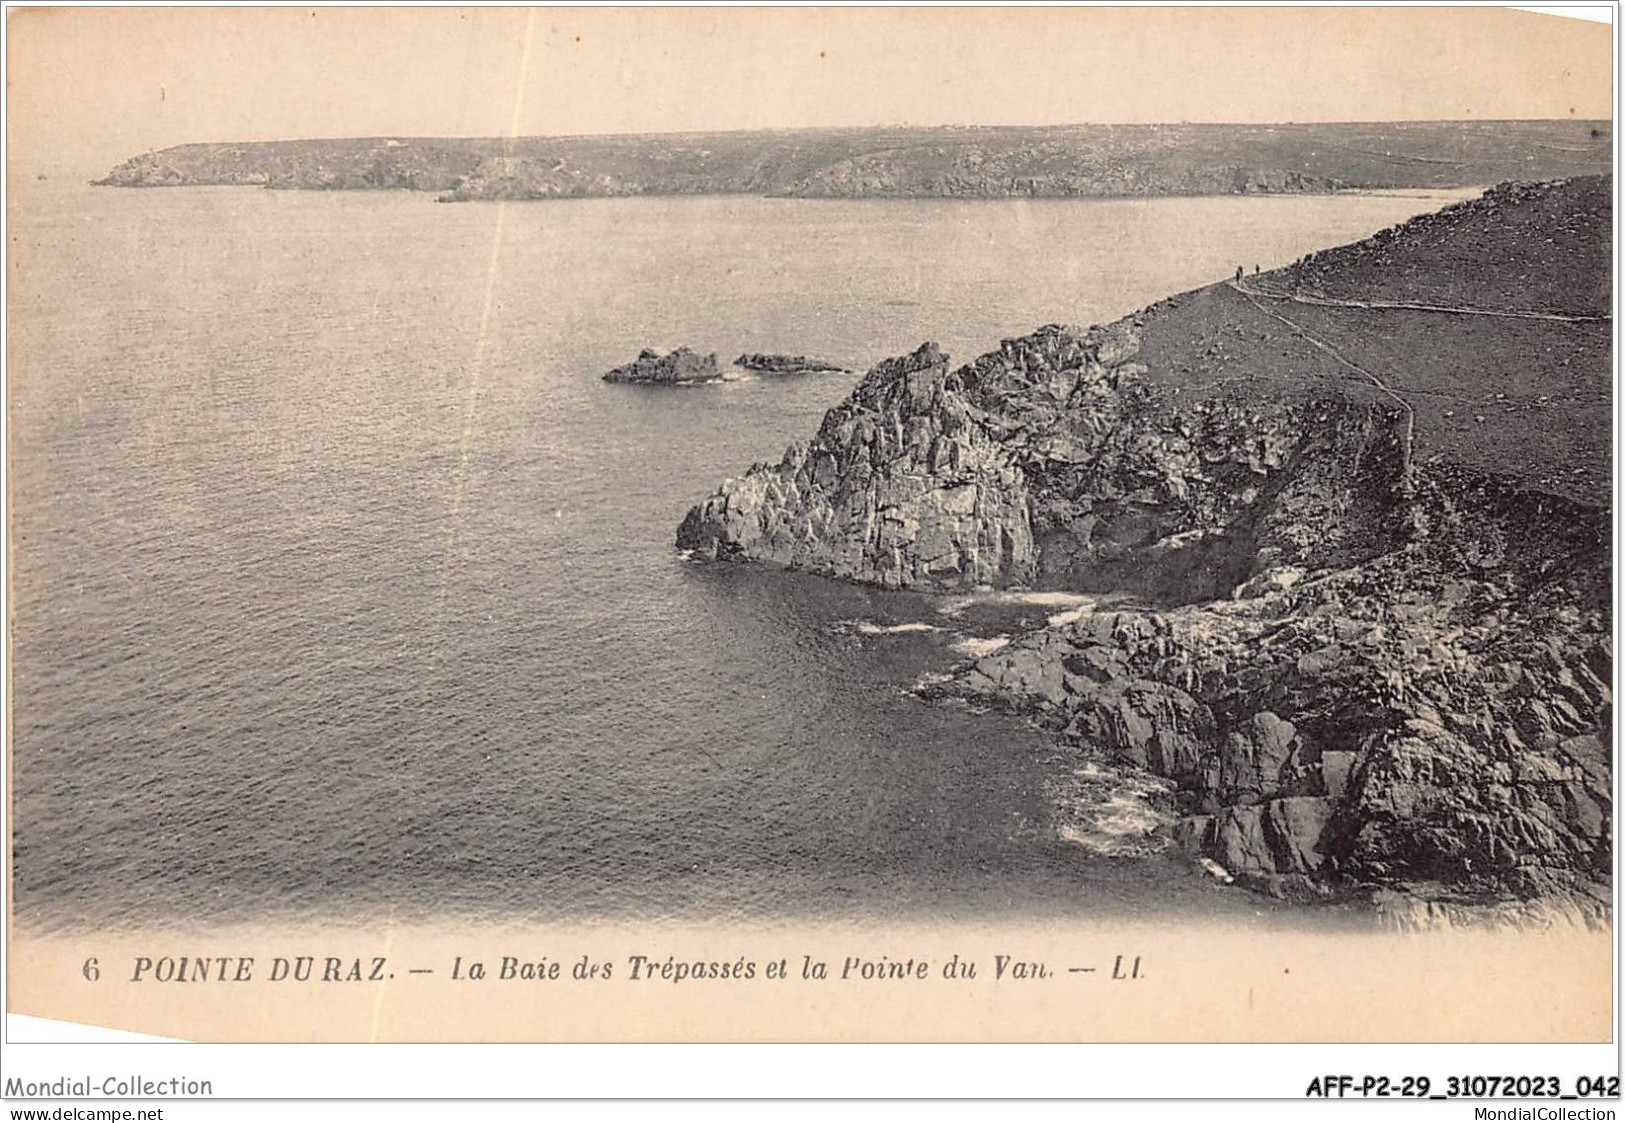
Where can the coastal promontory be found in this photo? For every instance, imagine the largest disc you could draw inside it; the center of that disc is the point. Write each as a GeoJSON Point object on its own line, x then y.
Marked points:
{"type": "Point", "coordinates": [1354, 516]}
{"type": "Point", "coordinates": [1060, 161]}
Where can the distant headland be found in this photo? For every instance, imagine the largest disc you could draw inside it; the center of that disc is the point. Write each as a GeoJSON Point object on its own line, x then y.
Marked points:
{"type": "Point", "coordinates": [895, 162]}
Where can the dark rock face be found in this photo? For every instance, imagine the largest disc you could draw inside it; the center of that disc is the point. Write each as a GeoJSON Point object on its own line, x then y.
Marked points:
{"type": "Point", "coordinates": [1051, 462]}
{"type": "Point", "coordinates": [784, 364]}
{"type": "Point", "coordinates": [1364, 680]}
{"type": "Point", "coordinates": [1412, 720]}
{"type": "Point", "coordinates": [681, 365]}
{"type": "Point", "coordinates": [902, 486]}
{"type": "Point", "coordinates": [1363, 669]}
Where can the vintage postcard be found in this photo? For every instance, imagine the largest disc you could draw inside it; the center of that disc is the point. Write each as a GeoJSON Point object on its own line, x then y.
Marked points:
{"type": "Point", "coordinates": [812, 525]}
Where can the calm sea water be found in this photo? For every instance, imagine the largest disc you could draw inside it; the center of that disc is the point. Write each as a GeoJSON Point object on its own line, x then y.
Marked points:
{"type": "Point", "coordinates": [343, 585]}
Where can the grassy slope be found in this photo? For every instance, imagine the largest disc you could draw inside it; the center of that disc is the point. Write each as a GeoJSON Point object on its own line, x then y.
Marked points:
{"type": "Point", "coordinates": [1525, 399]}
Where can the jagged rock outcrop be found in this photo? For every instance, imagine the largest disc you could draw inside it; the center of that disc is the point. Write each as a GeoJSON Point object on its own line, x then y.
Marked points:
{"type": "Point", "coordinates": [1052, 461]}
{"type": "Point", "coordinates": [1372, 656]}
{"type": "Point", "coordinates": [679, 366]}
{"type": "Point", "coordinates": [1418, 720]}
{"type": "Point", "coordinates": [903, 485]}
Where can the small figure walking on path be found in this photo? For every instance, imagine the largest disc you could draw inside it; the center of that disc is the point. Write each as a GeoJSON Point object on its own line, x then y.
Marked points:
{"type": "Point", "coordinates": [1238, 274]}
{"type": "Point", "coordinates": [1255, 269]}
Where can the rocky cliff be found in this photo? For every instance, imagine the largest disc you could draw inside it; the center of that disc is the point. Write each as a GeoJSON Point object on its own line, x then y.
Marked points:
{"type": "Point", "coordinates": [1372, 642]}
{"type": "Point", "coordinates": [1002, 162]}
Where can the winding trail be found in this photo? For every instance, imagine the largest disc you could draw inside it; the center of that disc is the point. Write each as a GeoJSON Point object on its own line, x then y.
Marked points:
{"type": "Point", "coordinates": [1410, 306]}
{"type": "Point", "coordinates": [1313, 340]}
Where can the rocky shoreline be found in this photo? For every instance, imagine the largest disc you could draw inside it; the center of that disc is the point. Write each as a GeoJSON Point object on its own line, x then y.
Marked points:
{"type": "Point", "coordinates": [1373, 647]}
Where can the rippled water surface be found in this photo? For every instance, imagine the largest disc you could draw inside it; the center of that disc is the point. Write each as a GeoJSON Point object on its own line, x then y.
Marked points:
{"type": "Point", "coordinates": [343, 585]}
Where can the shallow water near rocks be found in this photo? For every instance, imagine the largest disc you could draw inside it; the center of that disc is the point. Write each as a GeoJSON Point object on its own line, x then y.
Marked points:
{"type": "Point", "coordinates": [344, 587]}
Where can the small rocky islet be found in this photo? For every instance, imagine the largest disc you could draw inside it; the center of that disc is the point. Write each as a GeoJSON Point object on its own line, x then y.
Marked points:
{"type": "Point", "coordinates": [786, 364]}
{"type": "Point", "coordinates": [685, 366]}
{"type": "Point", "coordinates": [680, 367]}
{"type": "Point", "coordinates": [1362, 505]}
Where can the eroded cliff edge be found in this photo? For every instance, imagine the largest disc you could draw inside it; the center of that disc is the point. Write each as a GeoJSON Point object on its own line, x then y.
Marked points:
{"type": "Point", "coordinates": [1361, 506]}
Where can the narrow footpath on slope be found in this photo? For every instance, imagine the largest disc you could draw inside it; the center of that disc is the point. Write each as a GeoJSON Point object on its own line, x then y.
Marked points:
{"type": "Point", "coordinates": [1315, 341]}
{"type": "Point", "coordinates": [1411, 306]}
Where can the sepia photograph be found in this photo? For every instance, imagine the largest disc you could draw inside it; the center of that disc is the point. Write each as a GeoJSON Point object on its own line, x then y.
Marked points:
{"type": "Point", "coordinates": [1071, 524]}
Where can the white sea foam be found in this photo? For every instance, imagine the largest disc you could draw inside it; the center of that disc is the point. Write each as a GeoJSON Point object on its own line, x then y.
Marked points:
{"type": "Point", "coordinates": [870, 628]}
{"type": "Point", "coordinates": [1046, 600]}
{"type": "Point", "coordinates": [1214, 870]}
{"type": "Point", "coordinates": [1074, 602]}
{"type": "Point", "coordinates": [1109, 844]}
{"type": "Point", "coordinates": [1127, 816]}
{"type": "Point", "coordinates": [976, 645]}
{"type": "Point", "coordinates": [1116, 813]}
